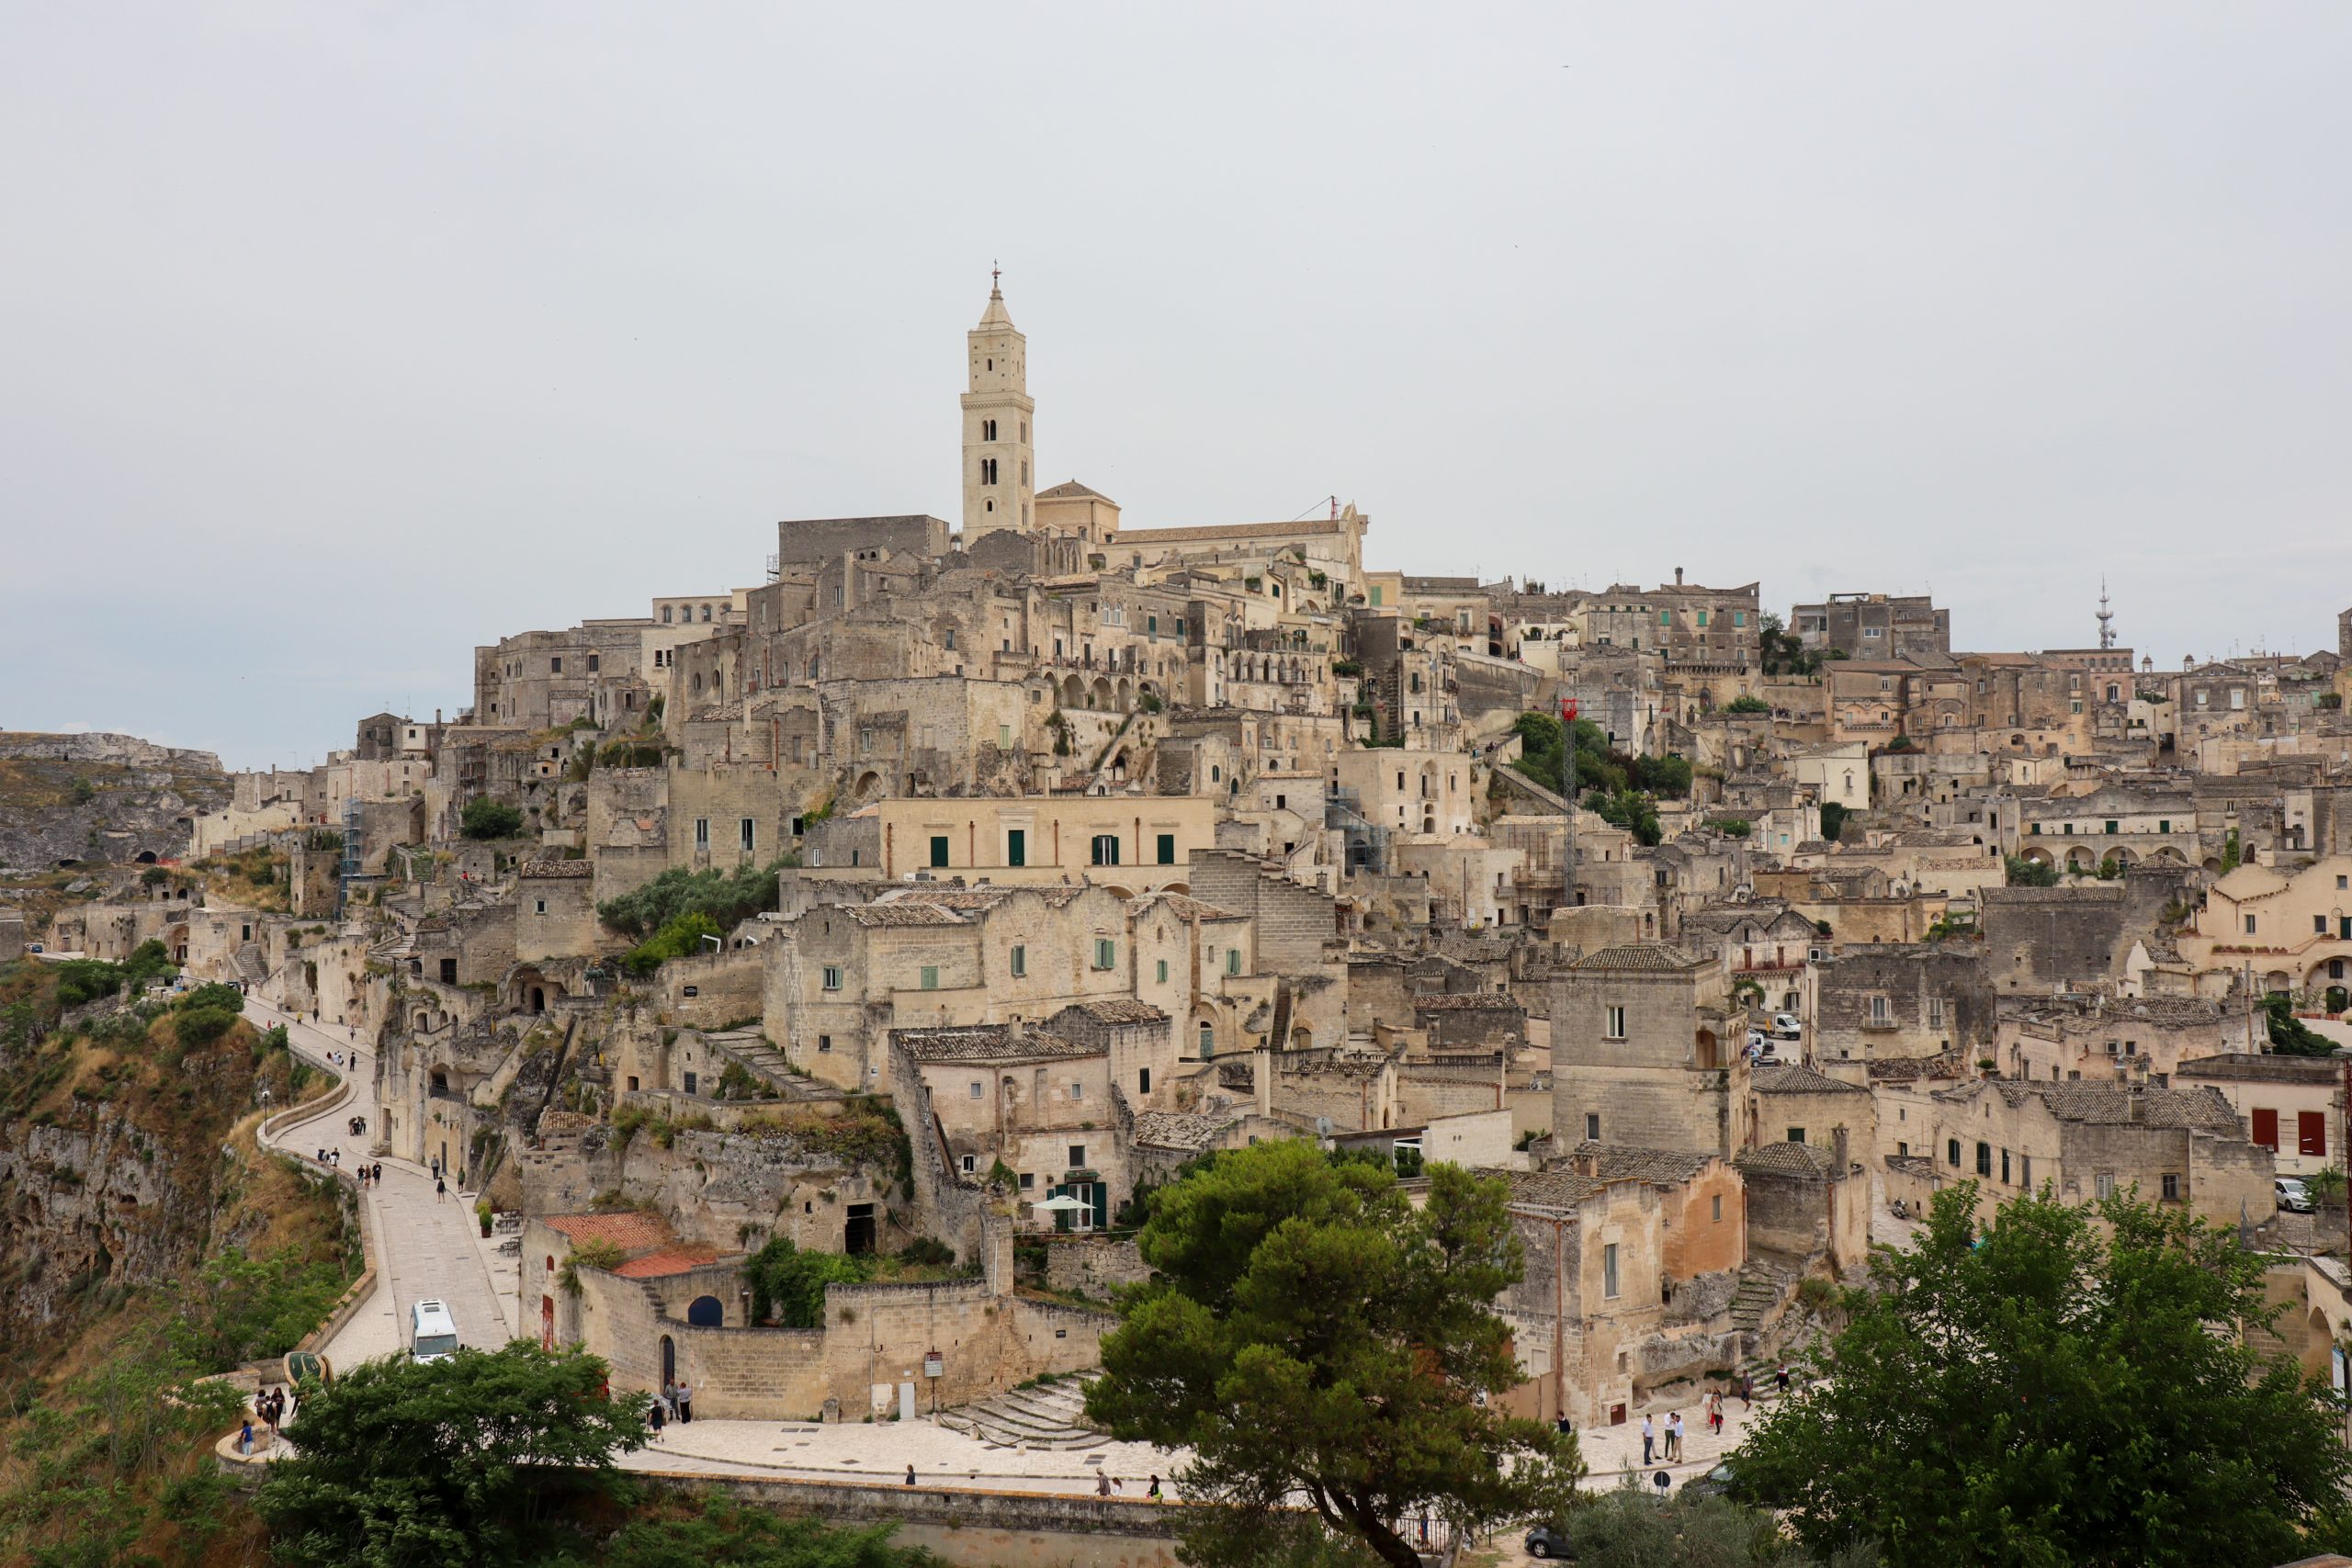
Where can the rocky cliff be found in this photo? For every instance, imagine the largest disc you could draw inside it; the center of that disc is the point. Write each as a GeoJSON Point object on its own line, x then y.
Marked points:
{"type": "Point", "coordinates": [100, 797]}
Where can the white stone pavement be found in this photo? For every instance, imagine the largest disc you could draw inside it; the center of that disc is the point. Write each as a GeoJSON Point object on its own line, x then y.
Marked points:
{"type": "Point", "coordinates": [426, 1246]}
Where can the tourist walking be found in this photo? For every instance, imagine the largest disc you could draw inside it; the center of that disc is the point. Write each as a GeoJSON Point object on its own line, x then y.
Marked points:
{"type": "Point", "coordinates": [440, 1191]}
{"type": "Point", "coordinates": [1155, 1487]}
{"type": "Point", "coordinates": [1716, 1412]}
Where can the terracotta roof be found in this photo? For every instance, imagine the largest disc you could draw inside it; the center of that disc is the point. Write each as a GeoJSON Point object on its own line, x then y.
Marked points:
{"type": "Point", "coordinates": [1229, 530]}
{"type": "Point", "coordinates": [2202, 1108]}
{"type": "Point", "coordinates": [539, 870]}
{"type": "Point", "coordinates": [1658, 955]}
{"type": "Point", "coordinates": [628, 1230]}
{"type": "Point", "coordinates": [1465, 1001]}
{"type": "Point", "coordinates": [669, 1260]}
{"type": "Point", "coordinates": [1069, 489]}
{"type": "Point", "coordinates": [1794, 1079]}
{"type": "Point", "coordinates": [1182, 906]}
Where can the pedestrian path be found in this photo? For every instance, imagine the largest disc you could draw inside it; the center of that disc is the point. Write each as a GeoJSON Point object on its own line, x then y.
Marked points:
{"type": "Point", "coordinates": [428, 1245]}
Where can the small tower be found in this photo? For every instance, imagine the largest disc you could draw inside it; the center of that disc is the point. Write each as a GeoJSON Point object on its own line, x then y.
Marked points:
{"type": "Point", "coordinates": [998, 484]}
{"type": "Point", "coordinates": [2106, 617]}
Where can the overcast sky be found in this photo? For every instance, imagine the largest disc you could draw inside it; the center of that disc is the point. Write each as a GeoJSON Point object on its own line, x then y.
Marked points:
{"type": "Point", "coordinates": [336, 339]}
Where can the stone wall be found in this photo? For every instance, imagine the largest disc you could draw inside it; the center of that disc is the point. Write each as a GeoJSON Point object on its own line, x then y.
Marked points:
{"type": "Point", "coordinates": [1095, 1266]}
{"type": "Point", "coordinates": [972, 1528]}
{"type": "Point", "coordinates": [727, 988]}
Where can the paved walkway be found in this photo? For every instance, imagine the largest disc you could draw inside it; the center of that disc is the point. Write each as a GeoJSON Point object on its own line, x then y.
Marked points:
{"type": "Point", "coordinates": [426, 1246]}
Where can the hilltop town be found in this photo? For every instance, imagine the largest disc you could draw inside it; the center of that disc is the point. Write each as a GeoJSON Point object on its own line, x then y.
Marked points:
{"type": "Point", "coordinates": [930, 898]}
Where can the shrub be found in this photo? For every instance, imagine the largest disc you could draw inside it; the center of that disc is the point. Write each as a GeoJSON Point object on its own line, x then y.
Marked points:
{"type": "Point", "coordinates": [83, 980]}
{"type": "Point", "coordinates": [679, 939]}
{"type": "Point", "coordinates": [486, 817]}
{"type": "Point", "coordinates": [791, 1283]}
{"type": "Point", "coordinates": [723, 896]}
{"type": "Point", "coordinates": [1747, 705]}
{"type": "Point", "coordinates": [224, 998]}
{"type": "Point", "coordinates": [202, 1026]}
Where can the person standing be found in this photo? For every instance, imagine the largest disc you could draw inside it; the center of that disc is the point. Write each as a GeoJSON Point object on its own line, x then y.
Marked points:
{"type": "Point", "coordinates": [911, 1476]}
{"type": "Point", "coordinates": [1102, 1485]}
{"type": "Point", "coordinates": [1782, 1377]}
{"type": "Point", "coordinates": [1155, 1487]}
{"type": "Point", "coordinates": [1673, 1436]}
{"type": "Point", "coordinates": [685, 1402]}
{"type": "Point", "coordinates": [1649, 1441]}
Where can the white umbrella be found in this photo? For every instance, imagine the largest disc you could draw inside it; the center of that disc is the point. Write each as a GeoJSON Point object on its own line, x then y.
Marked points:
{"type": "Point", "coordinates": [1061, 1204]}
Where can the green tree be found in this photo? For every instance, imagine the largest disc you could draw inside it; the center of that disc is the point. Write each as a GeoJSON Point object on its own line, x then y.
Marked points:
{"type": "Point", "coordinates": [1746, 704]}
{"type": "Point", "coordinates": [1833, 820]}
{"type": "Point", "coordinates": [1314, 1335]}
{"type": "Point", "coordinates": [483, 1458]}
{"type": "Point", "coordinates": [791, 1283]}
{"type": "Point", "coordinates": [2067, 1385]}
{"type": "Point", "coordinates": [2290, 1035]}
{"type": "Point", "coordinates": [227, 998]}
{"type": "Point", "coordinates": [2024, 873]}
{"type": "Point", "coordinates": [2232, 852]}
{"type": "Point", "coordinates": [486, 817]}
{"type": "Point", "coordinates": [681, 938]}
{"type": "Point", "coordinates": [723, 896]}
{"type": "Point", "coordinates": [1628, 1528]}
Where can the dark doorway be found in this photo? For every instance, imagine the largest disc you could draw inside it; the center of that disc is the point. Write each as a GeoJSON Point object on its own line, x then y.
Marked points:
{"type": "Point", "coordinates": [857, 1236]}
{"type": "Point", "coordinates": [704, 1312]}
{"type": "Point", "coordinates": [538, 998]}
{"type": "Point", "coordinates": [669, 1361]}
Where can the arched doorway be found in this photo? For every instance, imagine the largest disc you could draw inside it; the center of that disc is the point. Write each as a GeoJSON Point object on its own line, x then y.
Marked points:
{"type": "Point", "coordinates": [669, 1361]}
{"type": "Point", "coordinates": [704, 1312]}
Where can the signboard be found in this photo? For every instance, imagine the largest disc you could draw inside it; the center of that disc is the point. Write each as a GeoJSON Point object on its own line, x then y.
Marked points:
{"type": "Point", "coordinates": [933, 1364]}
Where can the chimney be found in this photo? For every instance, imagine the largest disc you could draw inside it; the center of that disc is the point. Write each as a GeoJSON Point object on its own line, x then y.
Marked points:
{"type": "Point", "coordinates": [1677, 577]}
{"type": "Point", "coordinates": [1837, 1149]}
{"type": "Point", "coordinates": [1588, 1164]}
{"type": "Point", "coordinates": [2138, 1096]}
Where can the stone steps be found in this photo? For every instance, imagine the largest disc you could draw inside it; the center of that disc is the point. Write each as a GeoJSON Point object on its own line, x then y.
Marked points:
{"type": "Point", "coordinates": [755, 1056]}
{"type": "Point", "coordinates": [1051, 1417]}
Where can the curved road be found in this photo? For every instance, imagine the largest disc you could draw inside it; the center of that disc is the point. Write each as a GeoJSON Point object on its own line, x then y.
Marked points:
{"type": "Point", "coordinates": [428, 1247]}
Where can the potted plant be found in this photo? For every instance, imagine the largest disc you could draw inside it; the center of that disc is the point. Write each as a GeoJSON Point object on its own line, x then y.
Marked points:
{"type": "Point", "coordinates": [483, 1213]}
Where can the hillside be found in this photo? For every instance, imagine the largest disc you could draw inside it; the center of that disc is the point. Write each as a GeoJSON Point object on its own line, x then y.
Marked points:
{"type": "Point", "coordinates": [100, 797]}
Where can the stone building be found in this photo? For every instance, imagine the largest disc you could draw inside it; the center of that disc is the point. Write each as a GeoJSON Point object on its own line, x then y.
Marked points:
{"type": "Point", "coordinates": [2180, 1147]}
{"type": "Point", "coordinates": [1895, 1000]}
{"type": "Point", "coordinates": [1872, 626]}
{"type": "Point", "coordinates": [1647, 1051]}
{"type": "Point", "coordinates": [2293, 1106]}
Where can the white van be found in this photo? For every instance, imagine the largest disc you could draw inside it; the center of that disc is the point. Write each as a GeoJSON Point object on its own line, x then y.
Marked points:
{"type": "Point", "coordinates": [432, 1332]}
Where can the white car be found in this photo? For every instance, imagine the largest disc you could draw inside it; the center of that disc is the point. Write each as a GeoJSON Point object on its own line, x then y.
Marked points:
{"type": "Point", "coordinates": [1756, 1041]}
{"type": "Point", "coordinates": [1785, 1025]}
{"type": "Point", "coordinates": [2293, 1196]}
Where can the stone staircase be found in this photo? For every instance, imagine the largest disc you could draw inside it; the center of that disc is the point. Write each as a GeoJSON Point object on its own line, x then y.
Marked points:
{"type": "Point", "coordinates": [1761, 1289]}
{"type": "Point", "coordinates": [1047, 1416]}
{"type": "Point", "coordinates": [748, 1050]}
{"type": "Point", "coordinates": [251, 966]}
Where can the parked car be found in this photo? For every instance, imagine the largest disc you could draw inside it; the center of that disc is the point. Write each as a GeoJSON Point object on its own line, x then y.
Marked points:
{"type": "Point", "coordinates": [2293, 1196]}
{"type": "Point", "coordinates": [38, 948]}
{"type": "Point", "coordinates": [1757, 1041]}
{"type": "Point", "coordinates": [1717, 1482]}
{"type": "Point", "coordinates": [1785, 1025]}
{"type": "Point", "coordinates": [1550, 1541]}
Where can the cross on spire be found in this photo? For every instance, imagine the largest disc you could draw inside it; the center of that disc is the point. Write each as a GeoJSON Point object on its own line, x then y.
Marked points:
{"type": "Point", "coordinates": [995, 272]}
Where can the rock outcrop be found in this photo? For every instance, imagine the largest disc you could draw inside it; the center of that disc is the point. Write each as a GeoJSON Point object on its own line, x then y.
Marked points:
{"type": "Point", "coordinates": [101, 797]}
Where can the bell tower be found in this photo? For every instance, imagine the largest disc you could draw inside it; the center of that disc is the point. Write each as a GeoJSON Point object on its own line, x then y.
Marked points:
{"type": "Point", "coordinates": [999, 486]}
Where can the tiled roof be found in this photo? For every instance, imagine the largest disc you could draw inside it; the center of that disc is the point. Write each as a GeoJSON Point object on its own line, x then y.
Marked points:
{"type": "Point", "coordinates": [1179, 1129]}
{"type": "Point", "coordinates": [987, 1042]}
{"type": "Point", "coordinates": [1657, 955]}
{"type": "Point", "coordinates": [1478, 1001]}
{"type": "Point", "coordinates": [628, 1230]}
{"type": "Point", "coordinates": [1228, 531]}
{"type": "Point", "coordinates": [1120, 1009]}
{"type": "Point", "coordinates": [1550, 1188]}
{"type": "Point", "coordinates": [1794, 1079]}
{"type": "Point", "coordinates": [2202, 1107]}
{"type": "Point", "coordinates": [1072, 490]}
{"type": "Point", "coordinates": [1785, 1159]}
{"type": "Point", "coordinates": [669, 1260]}
{"type": "Point", "coordinates": [537, 870]}
{"type": "Point", "coordinates": [908, 914]}
{"type": "Point", "coordinates": [1665, 1167]}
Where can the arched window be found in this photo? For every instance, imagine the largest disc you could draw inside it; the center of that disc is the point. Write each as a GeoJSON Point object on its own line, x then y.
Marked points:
{"type": "Point", "coordinates": [704, 1312]}
{"type": "Point", "coordinates": [706, 612]}
{"type": "Point", "coordinates": [665, 615]}
{"type": "Point", "coordinates": [988, 430]}
{"type": "Point", "coordinates": [988, 470]}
